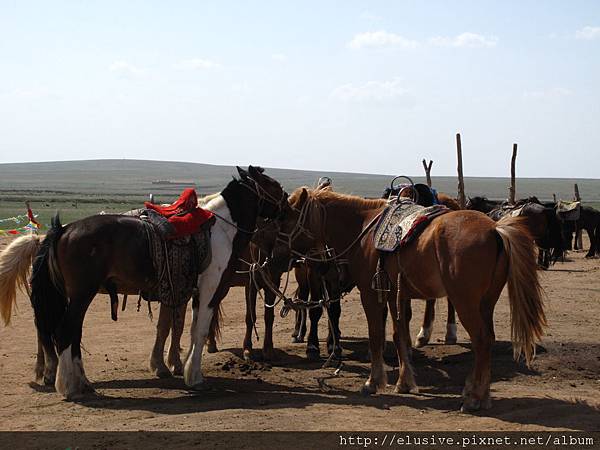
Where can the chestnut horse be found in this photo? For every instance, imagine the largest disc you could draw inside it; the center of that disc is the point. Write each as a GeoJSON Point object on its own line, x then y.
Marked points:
{"type": "Point", "coordinates": [427, 197]}
{"type": "Point", "coordinates": [462, 255]}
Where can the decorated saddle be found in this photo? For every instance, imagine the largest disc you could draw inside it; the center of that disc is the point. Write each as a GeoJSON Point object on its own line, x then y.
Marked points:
{"type": "Point", "coordinates": [179, 243]}
{"type": "Point", "coordinates": [403, 221]}
{"type": "Point", "coordinates": [184, 217]}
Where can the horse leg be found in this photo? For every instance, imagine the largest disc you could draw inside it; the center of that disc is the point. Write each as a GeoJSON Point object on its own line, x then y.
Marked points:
{"type": "Point", "coordinates": [268, 351]}
{"type": "Point", "coordinates": [46, 361]}
{"type": "Point", "coordinates": [174, 357]}
{"type": "Point", "coordinates": [250, 291]}
{"type": "Point", "coordinates": [591, 235]}
{"type": "Point", "coordinates": [334, 311]}
{"type": "Point", "coordinates": [71, 381]}
{"type": "Point", "coordinates": [373, 310]}
{"type": "Point", "coordinates": [477, 318]}
{"type": "Point", "coordinates": [451, 336]}
{"type": "Point", "coordinates": [425, 332]}
{"type": "Point", "coordinates": [301, 315]}
{"type": "Point", "coordinates": [163, 326]}
{"type": "Point", "coordinates": [312, 344]}
{"type": "Point", "coordinates": [406, 380]}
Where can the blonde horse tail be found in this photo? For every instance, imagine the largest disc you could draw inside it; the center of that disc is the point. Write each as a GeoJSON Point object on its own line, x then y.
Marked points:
{"type": "Point", "coordinates": [525, 294]}
{"type": "Point", "coordinates": [15, 265]}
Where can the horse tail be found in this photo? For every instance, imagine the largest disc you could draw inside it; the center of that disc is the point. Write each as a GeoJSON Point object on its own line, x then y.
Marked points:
{"type": "Point", "coordinates": [15, 264]}
{"type": "Point", "coordinates": [525, 294]}
{"type": "Point", "coordinates": [48, 296]}
{"type": "Point", "coordinates": [215, 325]}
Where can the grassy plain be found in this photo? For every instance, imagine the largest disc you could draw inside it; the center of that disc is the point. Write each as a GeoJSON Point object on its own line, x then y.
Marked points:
{"type": "Point", "coordinates": [81, 188]}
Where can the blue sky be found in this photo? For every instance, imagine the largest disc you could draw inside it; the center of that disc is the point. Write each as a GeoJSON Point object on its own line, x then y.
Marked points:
{"type": "Point", "coordinates": [327, 85]}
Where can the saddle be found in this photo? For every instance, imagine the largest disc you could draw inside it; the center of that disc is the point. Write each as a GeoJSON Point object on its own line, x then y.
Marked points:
{"type": "Point", "coordinates": [179, 244]}
{"type": "Point", "coordinates": [402, 222]}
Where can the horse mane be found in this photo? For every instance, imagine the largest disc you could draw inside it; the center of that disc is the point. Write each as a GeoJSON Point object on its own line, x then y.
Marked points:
{"type": "Point", "coordinates": [327, 196]}
{"type": "Point", "coordinates": [202, 201]}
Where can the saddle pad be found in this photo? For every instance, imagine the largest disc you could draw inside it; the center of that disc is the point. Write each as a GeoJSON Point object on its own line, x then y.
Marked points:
{"type": "Point", "coordinates": [402, 222]}
{"type": "Point", "coordinates": [568, 210]}
{"type": "Point", "coordinates": [177, 263]}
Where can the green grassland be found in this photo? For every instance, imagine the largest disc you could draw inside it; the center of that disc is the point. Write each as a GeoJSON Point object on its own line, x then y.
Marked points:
{"type": "Point", "coordinates": [80, 188]}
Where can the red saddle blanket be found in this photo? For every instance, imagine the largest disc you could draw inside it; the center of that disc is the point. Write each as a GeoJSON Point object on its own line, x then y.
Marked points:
{"type": "Point", "coordinates": [185, 215]}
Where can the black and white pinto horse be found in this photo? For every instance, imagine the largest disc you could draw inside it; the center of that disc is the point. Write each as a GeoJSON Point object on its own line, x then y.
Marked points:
{"type": "Point", "coordinates": [112, 252]}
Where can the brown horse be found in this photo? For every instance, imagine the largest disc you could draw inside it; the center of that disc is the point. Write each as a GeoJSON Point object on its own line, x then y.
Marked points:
{"type": "Point", "coordinates": [427, 326]}
{"type": "Point", "coordinates": [462, 255]}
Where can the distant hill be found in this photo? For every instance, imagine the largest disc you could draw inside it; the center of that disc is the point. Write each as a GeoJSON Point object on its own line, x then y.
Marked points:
{"type": "Point", "coordinates": [115, 179]}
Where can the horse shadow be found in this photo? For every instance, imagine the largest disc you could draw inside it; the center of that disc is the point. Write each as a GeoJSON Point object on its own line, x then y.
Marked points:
{"type": "Point", "coordinates": [441, 373]}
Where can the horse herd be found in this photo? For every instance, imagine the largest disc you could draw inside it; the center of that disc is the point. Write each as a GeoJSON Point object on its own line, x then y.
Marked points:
{"type": "Point", "coordinates": [326, 238]}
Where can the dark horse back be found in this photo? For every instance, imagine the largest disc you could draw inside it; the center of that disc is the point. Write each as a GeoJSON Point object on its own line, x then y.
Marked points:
{"type": "Point", "coordinates": [85, 255]}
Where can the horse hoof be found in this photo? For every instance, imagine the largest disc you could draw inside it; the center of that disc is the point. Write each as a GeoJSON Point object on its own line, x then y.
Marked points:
{"type": "Point", "coordinates": [313, 353]}
{"type": "Point", "coordinates": [268, 355]}
{"type": "Point", "coordinates": [404, 389]}
{"type": "Point", "coordinates": [178, 371]}
{"type": "Point", "coordinates": [450, 341]}
{"type": "Point", "coordinates": [470, 405]}
{"type": "Point", "coordinates": [421, 342]}
{"type": "Point", "coordinates": [212, 348]}
{"type": "Point", "coordinates": [163, 373]}
{"type": "Point", "coordinates": [248, 355]}
{"type": "Point", "coordinates": [368, 390]}
{"type": "Point", "coordinates": [297, 340]}
{"type": "Point", "coordinates": [49, 381]}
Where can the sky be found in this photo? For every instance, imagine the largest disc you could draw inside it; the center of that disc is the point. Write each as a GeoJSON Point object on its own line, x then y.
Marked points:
{"type": "Point", "coordinates": [358, 86]}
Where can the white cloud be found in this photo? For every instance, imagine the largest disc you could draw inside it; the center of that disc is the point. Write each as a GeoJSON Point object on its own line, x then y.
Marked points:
{"type": "Point", "coordinates": [467, 39]}
{"type": "Point", "coordinates": [380, 39]}
{"type": "Point", "coordinates": [199, 64]}
{"type": "Point", "coordinates": [588, 33]}
{"type": "Point", "coordinates": [373, 91]}
{"type": "Point", "coordinates": [279, 57]}
{"type": "Point", "coordinates": [124, 69]}
{"type": "Point", "coordinates": [555, 92]}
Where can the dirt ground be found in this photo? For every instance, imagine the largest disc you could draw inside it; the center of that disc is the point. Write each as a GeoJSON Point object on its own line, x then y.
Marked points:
{"type": "Point", "coordinates": [561, 392]}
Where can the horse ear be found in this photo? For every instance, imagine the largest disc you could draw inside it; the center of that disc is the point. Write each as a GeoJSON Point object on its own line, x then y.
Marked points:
{"type": "Point", "coordinates": [255, 171]}
{"type": "Point", "coordinates": [242, 172]}
{"type": "Point", "coordinates": [303, 197]}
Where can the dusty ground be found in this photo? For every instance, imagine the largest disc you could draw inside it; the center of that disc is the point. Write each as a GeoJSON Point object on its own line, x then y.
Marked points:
{"type": "Point", "coordinates": [562, 392]}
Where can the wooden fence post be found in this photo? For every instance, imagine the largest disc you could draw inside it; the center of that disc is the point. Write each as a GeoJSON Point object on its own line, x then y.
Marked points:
{"type": "Point", "coordinates": [579, 233]}
{"type": "Point", "coordinates": [427, 168]}
{"type": "Point", "coordinates": [461, 183]}
{"type": "Point", "coordinates": [554, 197]}
{"type": "Point", "coordinates": [512, 192]}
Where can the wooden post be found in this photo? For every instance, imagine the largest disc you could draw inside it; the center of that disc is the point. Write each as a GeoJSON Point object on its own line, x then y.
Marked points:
{"type": "Point", "coordinates": [461, 182]}
{"type": "Point", "coordinates": [554, 197]}
{"type": "Point", "coordinates": [579, 233]}
{"type": "Point", "coordinates": [512, 189]}
{"type": "Point", "coordinates": [427, 168]}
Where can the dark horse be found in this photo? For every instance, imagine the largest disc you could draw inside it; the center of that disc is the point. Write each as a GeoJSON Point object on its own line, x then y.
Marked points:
{"type": "Point", "coordinates": [541, 219]}
{"type": "Point", "coordinates": [112, 252]}
{"type": "Point", "coordinates": [589, 220]}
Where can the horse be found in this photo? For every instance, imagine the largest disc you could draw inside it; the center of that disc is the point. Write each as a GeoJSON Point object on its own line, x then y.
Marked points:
{"type": "Point", "coordinates": [462, 255]}
{"type": "Point", "coordinates": [321, 282]}
{"type": "Point", "coordinates": [117, 257]}
{"type": "Point", "coordinates": [543, 223]}
{"type": "Point", "coordinates": [425, 196]}
{"type": "Point", "coordinates": [589, 220]}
